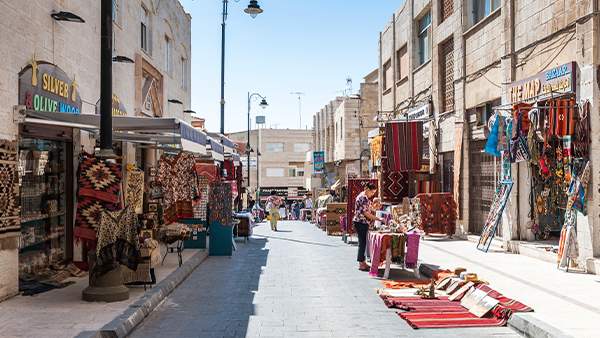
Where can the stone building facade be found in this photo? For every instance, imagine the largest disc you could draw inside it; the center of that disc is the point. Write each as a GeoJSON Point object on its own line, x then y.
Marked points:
{"type": "Point", "coordinates": [463, 60]}
{"type": "Point", "coordinates": [160, 71]}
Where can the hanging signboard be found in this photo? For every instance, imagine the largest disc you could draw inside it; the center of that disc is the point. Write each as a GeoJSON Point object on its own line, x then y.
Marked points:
{"type": "Point", "coordinates": [117, 106]}
{"type": "Point", "coordinates": [556, 80]}
{"type": "Point", "coordinates": [421, 112]}
{"type": "Point", "coordinates": [45, 87]}
{"type": "Point", "coordinates": [319, 162]}
{"type": "Point", "coordinates": [244, 161]}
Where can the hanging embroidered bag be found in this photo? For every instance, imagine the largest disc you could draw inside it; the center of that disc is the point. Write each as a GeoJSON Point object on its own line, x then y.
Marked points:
{"type": "Point", "coordinates": [155, 191]}
{"type": "Point", "coordinates": [518, 150]}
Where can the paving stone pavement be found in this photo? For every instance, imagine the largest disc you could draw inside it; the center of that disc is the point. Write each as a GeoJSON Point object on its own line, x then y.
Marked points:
{"type": "Point", "coordinates": [296, 282]}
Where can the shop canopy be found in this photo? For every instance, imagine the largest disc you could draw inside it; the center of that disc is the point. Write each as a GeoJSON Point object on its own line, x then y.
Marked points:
{"type": "Point", "coordinates": [145, 130]}
{"type": "Point", "coordinates": [215, 150]}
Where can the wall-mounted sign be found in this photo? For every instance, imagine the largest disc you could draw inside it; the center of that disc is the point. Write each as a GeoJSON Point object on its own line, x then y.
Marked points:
{"type": "Point", "coordinates": [319, 162]}
{"type": "Point", "coordinates": [421, 112]}
{"type": "Point", "coordinates": [244, 161]}
{"type": "Point", "coordinates": [117, 107]}
{"type": "Point", "coordinates": [556, 80]}
{"type": "Point", "coordinates": [45, 87]}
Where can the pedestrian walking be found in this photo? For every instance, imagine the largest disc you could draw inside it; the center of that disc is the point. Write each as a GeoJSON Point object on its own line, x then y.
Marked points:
{"type": "Point", "coordinates": [296, 208]}
{"type": "Point", "coordinates": [363, 216]}
{"type": "Point", "coordinates": [272, 207]}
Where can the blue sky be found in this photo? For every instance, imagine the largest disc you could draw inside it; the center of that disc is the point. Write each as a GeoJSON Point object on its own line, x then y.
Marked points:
{"type": "Point", "coordinates": [293, 46]}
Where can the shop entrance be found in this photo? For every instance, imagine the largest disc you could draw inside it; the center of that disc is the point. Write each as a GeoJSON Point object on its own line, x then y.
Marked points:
{"type": "Point", "coordinates": [484, 176]}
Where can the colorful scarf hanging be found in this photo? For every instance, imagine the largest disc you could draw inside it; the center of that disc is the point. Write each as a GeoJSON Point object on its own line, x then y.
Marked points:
{"type": "Point", "coordinates": [10, 225]}
{"type": "Point", "coordinates": [503, 135]}
{"type": "Point", "coordinates": [404, 145]}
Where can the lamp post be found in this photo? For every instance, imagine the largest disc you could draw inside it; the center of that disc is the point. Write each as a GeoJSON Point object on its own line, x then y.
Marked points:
{"type": "Point", "coordinates": [253, 9]}
{"type": "Point", "coordinates": [264, 105]}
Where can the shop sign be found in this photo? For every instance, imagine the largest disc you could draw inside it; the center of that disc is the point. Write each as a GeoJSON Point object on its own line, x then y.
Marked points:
{"type": "Point", "coordinates": [117, 107]}
{"type": "Point", "coordinates": [558, 80]}
{"type": "Point", "coordinates": [244, 160]}
{"type": "Point", "coordinates": [284, 192]}
{"type": "Point", "coordinates": [421, 112]}
{"type": "Point", "coordinates": [319, 162]}
{"type": "Point", "coordinates": [45, 87]}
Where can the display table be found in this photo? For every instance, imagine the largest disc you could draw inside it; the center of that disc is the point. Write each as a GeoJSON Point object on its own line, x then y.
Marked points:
{"type": "Point", "coordinates": [306, 215]}
{"type": "Point", "coordinates": [402, 247]}
{"type": "Point", "coordinates": [221, 239]}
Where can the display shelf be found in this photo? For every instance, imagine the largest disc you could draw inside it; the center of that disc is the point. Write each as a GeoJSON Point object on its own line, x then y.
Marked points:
{"type": "Point", "coordinates": [48, 238]}
{"type": "Point", "coordinates": [62, 213]}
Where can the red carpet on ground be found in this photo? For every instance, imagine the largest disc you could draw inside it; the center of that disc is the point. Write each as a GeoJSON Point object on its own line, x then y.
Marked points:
{"type": "Point", "coordinates": [437, 320]}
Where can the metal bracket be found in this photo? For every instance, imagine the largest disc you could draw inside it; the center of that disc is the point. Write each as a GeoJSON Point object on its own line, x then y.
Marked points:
{"type": "Point", "coordinates": [18, 117]}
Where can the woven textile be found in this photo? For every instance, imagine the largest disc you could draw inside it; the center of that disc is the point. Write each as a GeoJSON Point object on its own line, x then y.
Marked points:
{"type": "Point", "coordinates": [10, 226]}
{"type": "Point", "coordinates": [201, 204]}
{"type": "Point", "coordinates": [412, 249]}
{"type": "Point", "coordinates": [118, 241]}
{"type": "Point", "coordinates": [88, 212]}
{"type": "Point", "coordinates": [174, 175]}
{"type": "Point", "coordinates": [228, 165]}
{"type": "Point", "coordinates": [562, 119]}
{"type": "Point", "coordinates": [404, 145]}
{"type": "Point", "coordinates": [221, 203]}
{"type": "Point", "coordinates": [438, 213]}
{"type": "Point", "coordinates": [428, 187]}
{"type": "Point", "coordinates": [134, 191]}
{"type": "Point", "coordinates": [209, 170]}
{"type": "Point", "coordinates": [355, 187]}
{"type": "Point", "coordinates": [99, 180]}
{"type": "Point", "coordinates": [376, 145]}
{"type": "Point", "coordinates": [394, 185]}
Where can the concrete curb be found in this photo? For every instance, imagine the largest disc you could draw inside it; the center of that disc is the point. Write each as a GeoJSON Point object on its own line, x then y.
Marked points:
{"type": "Point", "coordinates": [522, 323]}
{"type": "Point", "coordinates": [124, 324]}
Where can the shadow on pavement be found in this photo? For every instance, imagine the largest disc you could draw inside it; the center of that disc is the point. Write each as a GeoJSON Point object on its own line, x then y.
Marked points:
{"type": "Point", "coordinates": [292, 240]}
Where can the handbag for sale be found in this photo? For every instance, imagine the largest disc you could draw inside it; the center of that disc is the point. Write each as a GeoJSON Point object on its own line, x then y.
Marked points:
{"type": "Point", "coordinates": [518, 150]}
{"type": "Point", "coordinates": [155, 191]}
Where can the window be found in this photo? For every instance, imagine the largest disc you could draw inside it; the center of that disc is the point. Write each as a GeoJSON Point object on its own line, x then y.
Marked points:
{"type": "Point", "coordinates": [145, 24]}
{"type": "Point", "coordinates": [447, 7]}
{"type": "Point", "coordinates": [167, 55]}
{"type": "Point", "coordinates": [341, 128]}
{"type": "Point", "coordinates": [292, 171]}
{"type": "Point", "coordinates": [483, 8]}
{"type": "Point", "coordinates": [401, 63]}
{"type": "Point", "coordinates": [447, 72]}
{"type": "Point", "coordinates": [275, 147]}
{"type": "Point", "coordinates": [301, 147]}
{"type": "Point", "coordinates": [117, 12]}
{"type": "Point", "coordinates": [274, 172]}
{"type": "Point", "coordinates": [184, 73]}
{"type": "Point", "coordinates": [387, 76]}
{"type": "Point", "coordinates": [424, 25]}
{"type": "Point", "coordinates": [300, 172]}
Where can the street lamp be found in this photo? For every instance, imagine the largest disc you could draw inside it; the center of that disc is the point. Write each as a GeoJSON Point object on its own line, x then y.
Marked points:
{"type": "Point", "coordinates": [264, 105]}
{"type": "Point", "coordinates": [253, 9]}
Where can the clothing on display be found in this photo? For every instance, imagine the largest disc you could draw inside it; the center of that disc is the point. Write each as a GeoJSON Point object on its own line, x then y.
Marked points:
{"type": "Point", "coordinates": [174, 176]}
{"type": "Point", "coordinates": [118, 240]}
{"type": "Point", "coordinates": [404, 145]}
{"type": "Point", "coordinates": [10, 226]}
{"type": "Point", "coordinates": [134, 191]}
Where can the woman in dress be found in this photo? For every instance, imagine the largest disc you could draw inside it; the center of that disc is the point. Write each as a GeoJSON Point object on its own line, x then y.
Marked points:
{"type": "Point", "coordinates": [273, 203]}
{"type": "Point", "coordinates": [363, 216]}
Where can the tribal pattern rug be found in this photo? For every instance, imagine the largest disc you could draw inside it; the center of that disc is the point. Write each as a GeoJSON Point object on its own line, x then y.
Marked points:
{"type": "Point", "coordinates": [404, 145]}
{"type": "Point", "coordinates": [438, 213]}
{"type": "Point", "coordinates": [10, 226]}
{"type": "Point", "coordinates": [394, 185]}
{"type": "Point", "coordinates": [134, 191]}
{"type": "Point", "coordinates": [221, 203]}
{"type": "Point", "coordinates": [355, 187]}
{"type": "Point", "coordinates": [209, 170]}
{"type": "Point", "coordinates": [99, 180]}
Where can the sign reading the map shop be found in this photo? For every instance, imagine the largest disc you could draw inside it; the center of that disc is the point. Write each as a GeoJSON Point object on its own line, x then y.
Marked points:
{"type": "Point", "coordinates": [45, 87]}
{"type": "Point", "coordinates": [319, 162]}
{"type": "Point", "coordinates": [557, 80]}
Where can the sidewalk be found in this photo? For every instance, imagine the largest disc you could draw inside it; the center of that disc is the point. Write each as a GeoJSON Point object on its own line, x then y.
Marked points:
{"type": "Point", "coordinates": [564, 303]}
{"type": "Point", "coordinates": [61, 312]}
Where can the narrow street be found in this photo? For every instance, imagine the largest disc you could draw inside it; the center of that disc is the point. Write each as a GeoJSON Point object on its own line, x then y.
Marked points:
{"type": "Point", "coordinates": [296, 282]}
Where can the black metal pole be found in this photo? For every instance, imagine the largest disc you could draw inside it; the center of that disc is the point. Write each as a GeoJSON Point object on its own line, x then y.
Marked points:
{"type": "Point", "coordinates": [106, 32]}
{"type": "Point", "coordinates": [248, 145]}
{"type": "Point", "coordinates": [223, 68]}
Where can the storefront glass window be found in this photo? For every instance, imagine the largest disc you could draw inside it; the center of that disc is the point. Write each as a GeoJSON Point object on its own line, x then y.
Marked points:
{"type": "Point", "coordinates": [42, 188]}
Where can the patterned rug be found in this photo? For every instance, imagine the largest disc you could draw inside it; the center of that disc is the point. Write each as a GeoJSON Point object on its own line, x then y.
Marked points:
{"type": "Point", "coordinates": [438, 213]}
{"type": "Point", "coordinates": [99, 180]}
{"type": "Point", "coordinates": [134, 191]}
{"type": "Point", "coordinates": [208, 170]}
{"type": "Point", "coordinates": [228, 165]}
{"type": "Point", "coordinates": [355, 187]}
{"type": "Point", "coordinates": [404, 145]}
{"type": "Point", "coordinates": [10, 226]}
{"type": "Point", "coordinates": [394, 185]}
{"type": "Point", "coordinates": [221, 203]}
{"type": "Point", "coordinates": [200, 205]}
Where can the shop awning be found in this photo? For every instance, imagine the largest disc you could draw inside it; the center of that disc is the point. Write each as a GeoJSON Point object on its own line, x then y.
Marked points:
{"type": "Point", "coordinates": [227, 145]}
{"type": "Point", "coordinates": [215, 149]}
{"type": "Point", "coordinates": [146, 130]}
{"type": "Point", "coordinates": [236, 160]}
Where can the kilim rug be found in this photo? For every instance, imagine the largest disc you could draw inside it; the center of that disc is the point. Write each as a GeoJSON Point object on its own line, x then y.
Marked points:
{"type": "Point", "coordinates": [355, 187]}
{"type": "Point", "coordinates": [404, 145]}
{"type": "Point", "coordinates": [208, 170]}
{"type": "Point", "coordinates": [201, 204]}
{"type": "Point", "coordinates": [134, 191]}
{"type": "Point", "coordinates": [220, 203]}
{"type": "Point", "coordinates": [10, 226]}
{"type": "Point", "coordinates": [437, 320]}
{"type": "Point", "coordinates": [438, 213]}
{"type": "Point", "coordinates": [394, 185]}
{"type": "Point", "coordinates": [99, 180]}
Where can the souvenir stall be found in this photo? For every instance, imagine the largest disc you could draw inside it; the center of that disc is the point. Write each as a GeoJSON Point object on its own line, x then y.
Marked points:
{"type": "Point", "coordinates": [320, 209]}
{"type": "Point", "coordinates": [434, 213]}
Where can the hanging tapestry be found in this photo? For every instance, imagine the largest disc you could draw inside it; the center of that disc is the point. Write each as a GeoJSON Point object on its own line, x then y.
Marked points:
{"type": "Point", "coordinates": [88, 212]}
{"type": "Point", "coordinates": [493, 219]}
{"type": "Point", "coordinates": [118, 240]}
{"type": "Point", "coordinates": [99, 180]}
{"type": "Point", "coordinates": [503, 136]}
{"type": "Point", "coordinates": [200, 205]}
{"type": "Point", "coordinates": [428, 187]}
{"type": "Point", "coordinates": [208, 170]}
{"type": "Point", "coordinates": [505, 176]}
{"type": "Point", "coordinates": [394, 186]}
{"type": "Point", "coordinates": [562, 119]}
{"type": "Point", "coordinates": [355, 187]}
{"type": "Point", "coordinates": [581, 138]}
{"type": "Point", "coordinates": [376, 151]}
{"type": "Point", "coordinates": [174, 177]}
{"type": "Point", "coordinates": [221, 203]}
{"type": "Point", "coordinates": [10, 226]}
{"type": "Point", "coordinates": [134, 192]}
{"type": "Point", "coordinates": [438, 213]}
{"type": "Point", "coordinates": [404, 145]}
{"type": "Point", "coordinates": [228, 165]}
